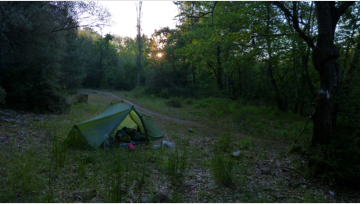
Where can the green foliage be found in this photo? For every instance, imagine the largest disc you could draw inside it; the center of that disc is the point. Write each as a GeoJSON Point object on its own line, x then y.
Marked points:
{"type": "Point", "coordinates": [164, 93]}
{"type": "Point", "coordinates": [246, 143]}
{"type": "Point", "coordinates": [224, 141]}
{"type": "Point", "coordinates": [138, 91]}
{"type": "Point", "coordinates": [222, 169]}
{"type": "Point", "coordinates": [201, 105]}
{"type": "Point", "coordinates": [40, 56]}
{"type": "Point", "coordinates": [174, 102]}
{"type": "Point", "coordinates": [188, 101]}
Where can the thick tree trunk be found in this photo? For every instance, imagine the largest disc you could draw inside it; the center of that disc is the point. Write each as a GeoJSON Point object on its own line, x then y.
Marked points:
{"type": "Point", "coordinates": [325, 60]}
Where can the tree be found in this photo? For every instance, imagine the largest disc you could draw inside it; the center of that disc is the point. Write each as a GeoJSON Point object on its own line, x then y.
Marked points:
{"type": "Point", "coordinates": [325, 60]}
{"type": "Point", "coordinates": [139, 41]}
{"type": "Point", "coordinates": [37, 57]}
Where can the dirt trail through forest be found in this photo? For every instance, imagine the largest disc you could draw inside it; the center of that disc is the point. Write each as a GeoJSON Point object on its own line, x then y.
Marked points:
{"type": "Point", "coordinates": [151, 113]}
{"type": "Point", "coordinates": [267, 142]}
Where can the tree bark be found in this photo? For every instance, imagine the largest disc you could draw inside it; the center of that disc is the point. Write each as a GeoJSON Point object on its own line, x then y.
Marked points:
{"type": "Point", "coordinates": [139, 39]}
{"type": "Point", "coordinates": [325, 60]}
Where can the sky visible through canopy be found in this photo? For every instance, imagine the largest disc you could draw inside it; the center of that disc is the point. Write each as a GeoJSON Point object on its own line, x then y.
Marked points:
{"type": "Point", "coordinates": [156, 14]}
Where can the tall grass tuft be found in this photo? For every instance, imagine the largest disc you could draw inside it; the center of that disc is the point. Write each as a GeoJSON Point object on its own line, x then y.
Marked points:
{"type": "Point", "coordinates": [175, 165]}
{"type": "Point", "coordinates": [222, 169]}
{"type": "Point", "coordinates": [114, 181]}
{"type": "Point", "coordinates": [59, 152]}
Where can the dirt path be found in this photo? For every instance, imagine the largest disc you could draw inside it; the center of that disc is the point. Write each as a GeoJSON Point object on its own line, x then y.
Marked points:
{"type": "Point", "coordinates": [266, 142]}
{"type": "Point", "coordinates": [151, 113]}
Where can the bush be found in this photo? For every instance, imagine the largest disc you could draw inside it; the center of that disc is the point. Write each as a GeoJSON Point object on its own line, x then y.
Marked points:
{"type": "Point", "coordinates": [138, 91]}
{"type": "Point", "coordinates": [164, 93]}
{"type": "Point", "coordinates": [189, 101]}
{"type": "Point", "coordinates": [174, 102]}
{"type": "Point", "coordinates": [81, 98]}
{"type": "Point", "coordinates": [201, 105]}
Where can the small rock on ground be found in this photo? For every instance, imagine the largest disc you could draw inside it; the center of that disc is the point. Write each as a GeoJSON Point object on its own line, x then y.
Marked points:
{"type": "Point", "coordinates": [144, 200]}
{"type": "Point", "coordinates": [84, 195]}
{"type": "Point", "coordinates": [156, 146]}
{"type": "Point", "coordinates": [236, 154]}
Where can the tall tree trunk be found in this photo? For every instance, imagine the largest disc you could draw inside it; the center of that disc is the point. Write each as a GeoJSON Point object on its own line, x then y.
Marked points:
{"type": "Point", "coordinates": [325, 60]}
{"type": "Point", "coordinates": [296, 105]}
{"type": "Point", "coordinates": [219, 68]}
{"type": "Point", "coordinates": [139, 39]}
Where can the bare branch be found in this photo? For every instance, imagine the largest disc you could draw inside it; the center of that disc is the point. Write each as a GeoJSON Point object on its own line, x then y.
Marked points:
{"type": "Point", "coordinates": [211, 67]}
{"type": "Point", "coordinates": [69, 28]}
{"type": "Point", "coordinates": [281, 34]}
{"type": "Point", "coordinates": [295, 22]}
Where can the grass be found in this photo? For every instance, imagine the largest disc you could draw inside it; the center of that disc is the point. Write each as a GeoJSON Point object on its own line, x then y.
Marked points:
{"type": "Point", "coordinates": [175, 165]}
{"type": "Point", "coordinates": [36, 167]}
{"type": "Point", "coordinates": [222, 169]}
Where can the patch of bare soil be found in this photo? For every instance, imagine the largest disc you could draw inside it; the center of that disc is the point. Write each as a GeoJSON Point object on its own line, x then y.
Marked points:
{"type": "Point", "coordinates": [17, 127]}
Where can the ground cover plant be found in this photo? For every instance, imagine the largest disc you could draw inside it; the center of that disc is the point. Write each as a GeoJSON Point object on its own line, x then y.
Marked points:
{"type": "Point", "coordinates": [201, 166]}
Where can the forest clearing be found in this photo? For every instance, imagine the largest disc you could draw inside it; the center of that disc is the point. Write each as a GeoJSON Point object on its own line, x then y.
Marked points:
{"type": "Point", "coordinates": [200, 167]}
{"type": "Point", "coordinates": [199, 101]}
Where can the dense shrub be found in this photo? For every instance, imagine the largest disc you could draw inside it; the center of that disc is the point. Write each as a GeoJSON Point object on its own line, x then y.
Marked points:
{"type": "Point", "coordinates": [138, 91]}
{"type": "Point", "coordinates": [174, 102]}
{"type": "Point", "coordinates": [188, 101]}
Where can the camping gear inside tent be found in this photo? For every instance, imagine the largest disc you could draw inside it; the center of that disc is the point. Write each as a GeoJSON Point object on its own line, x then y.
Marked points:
{"type": "Point", "coordinates": [95, 131]}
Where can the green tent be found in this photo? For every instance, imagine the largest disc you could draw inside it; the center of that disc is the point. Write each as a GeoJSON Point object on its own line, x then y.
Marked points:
{"type": "Point", "coordinates": [94, 132]}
